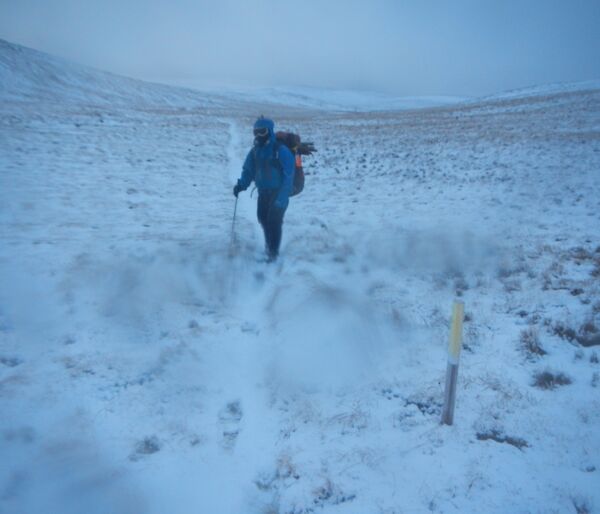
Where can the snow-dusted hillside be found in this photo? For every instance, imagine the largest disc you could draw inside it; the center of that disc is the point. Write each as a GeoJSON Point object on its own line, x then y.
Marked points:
{"type": "Point", "coordinates": [143, 370]}
{"type": "Point", "coordinates": [317, 98]}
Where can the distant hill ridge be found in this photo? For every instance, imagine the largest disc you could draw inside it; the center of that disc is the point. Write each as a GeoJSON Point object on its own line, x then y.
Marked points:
{"type": "Point", "coordinates": [28, 75]}
{"type": "Point", "coordinates": [31, 75]}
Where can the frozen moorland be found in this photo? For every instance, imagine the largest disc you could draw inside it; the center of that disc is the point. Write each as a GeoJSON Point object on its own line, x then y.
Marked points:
{"type": "Point", "coordinates": [150, 363]}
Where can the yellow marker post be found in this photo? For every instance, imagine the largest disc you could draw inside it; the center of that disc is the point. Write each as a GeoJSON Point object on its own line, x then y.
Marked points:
{"type": "Point", "coordinates": [458, 313]}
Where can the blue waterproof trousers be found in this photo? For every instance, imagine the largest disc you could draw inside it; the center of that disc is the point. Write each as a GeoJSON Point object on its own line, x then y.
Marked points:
{"type": "Point", "coordinates": [271, 219]}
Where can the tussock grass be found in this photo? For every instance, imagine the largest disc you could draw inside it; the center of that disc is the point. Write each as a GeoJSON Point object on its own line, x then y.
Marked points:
{"type": "Point", "coordinates": [530, 344]}
{"type": "Point", "coordinates": [548, 380]}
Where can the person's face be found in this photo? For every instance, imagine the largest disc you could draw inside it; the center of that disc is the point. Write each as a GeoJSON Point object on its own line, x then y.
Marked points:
{"type": "Point", "coordinates": [261, 135]}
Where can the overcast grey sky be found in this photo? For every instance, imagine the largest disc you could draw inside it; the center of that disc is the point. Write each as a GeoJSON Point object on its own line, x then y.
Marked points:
{"type": "Point", "coordinates": [426, 47]}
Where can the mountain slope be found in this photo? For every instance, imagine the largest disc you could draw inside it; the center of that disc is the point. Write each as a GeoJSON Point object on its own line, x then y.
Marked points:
{"type": "Point", "coordinates": [36, 77]}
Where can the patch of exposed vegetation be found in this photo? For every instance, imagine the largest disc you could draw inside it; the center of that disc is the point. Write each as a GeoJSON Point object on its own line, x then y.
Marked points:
{"type": "Point", "coordinates": [530, 344]}
{"type": "Point", "coordinates": [427, 405]}
{"type": "Point", "coordinates": [330, 494]}
{"type": "Point", "coordinates": [496, 435]}
{"type": "Point", "coordinates": [587, 335]}
{"type": "Point", "coordinates": [581, 506]}
{"type": "Point", "coordinates": [548, 380]}
{"type": "Point", "coordinates": [564, 332]}
{"type": "Point", "coordinates": [146, 446]}
{"type": "Point", "coordinates": [11, 362]}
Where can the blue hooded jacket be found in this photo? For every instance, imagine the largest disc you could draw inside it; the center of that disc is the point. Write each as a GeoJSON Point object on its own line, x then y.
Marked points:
{"type": "Point", "coordinates": [262, 167]}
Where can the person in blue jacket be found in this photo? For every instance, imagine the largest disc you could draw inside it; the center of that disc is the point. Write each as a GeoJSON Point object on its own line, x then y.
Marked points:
{"type": "Point", "coordinates": [270, 165]}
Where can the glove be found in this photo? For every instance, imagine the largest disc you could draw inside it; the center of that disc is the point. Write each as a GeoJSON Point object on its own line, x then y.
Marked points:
{"type": "Point", "coordinates": [236, 190]}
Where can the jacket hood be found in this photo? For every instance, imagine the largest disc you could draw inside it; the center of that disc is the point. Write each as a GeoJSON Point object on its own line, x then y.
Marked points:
{"type": "Point", "coordinates": [263, 122]}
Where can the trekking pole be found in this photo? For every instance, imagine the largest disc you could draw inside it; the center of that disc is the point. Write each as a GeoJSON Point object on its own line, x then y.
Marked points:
{"type": "Point", "coordinates": [232, 242]}
{"type": "Point", "coordinates": [234, 212]}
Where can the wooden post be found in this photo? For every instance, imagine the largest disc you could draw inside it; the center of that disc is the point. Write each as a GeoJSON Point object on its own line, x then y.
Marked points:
{"type": "Point", "coordinates": [458, 312]}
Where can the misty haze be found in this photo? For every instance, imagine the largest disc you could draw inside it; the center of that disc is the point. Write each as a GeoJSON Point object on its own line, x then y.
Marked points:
{"type": "Point", "coordinates": [462, 49]}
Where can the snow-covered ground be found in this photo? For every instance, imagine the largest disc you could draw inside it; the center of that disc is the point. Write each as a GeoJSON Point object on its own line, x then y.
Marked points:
{"type": "Point", "coordinates": [144, 370]}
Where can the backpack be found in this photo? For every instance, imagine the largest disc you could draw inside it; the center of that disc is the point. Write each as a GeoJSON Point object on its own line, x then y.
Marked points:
{"type": "Point", "coordinates": [298, 149]}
